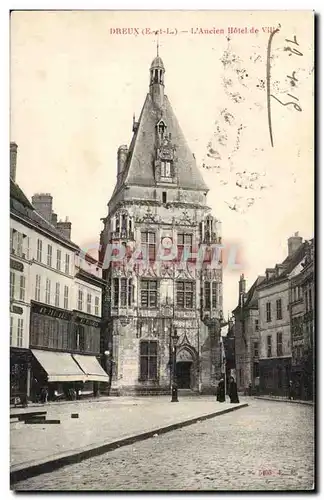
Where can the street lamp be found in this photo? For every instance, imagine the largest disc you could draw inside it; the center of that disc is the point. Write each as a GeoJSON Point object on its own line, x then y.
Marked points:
{"type": "Point", "coordinates": [174, 390]}
{"type": "Point", "coordinates": [108, 363]}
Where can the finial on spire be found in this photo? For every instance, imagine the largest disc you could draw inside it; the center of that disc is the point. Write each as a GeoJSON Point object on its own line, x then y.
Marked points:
{"type": "Point", "coordinates": [157, 45]}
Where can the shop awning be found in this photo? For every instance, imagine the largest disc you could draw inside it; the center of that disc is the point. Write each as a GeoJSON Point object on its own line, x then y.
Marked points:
{"type": "Point", "coordinates": [91, 367]}
{"type": "Point", "coordinates": [59, 366]}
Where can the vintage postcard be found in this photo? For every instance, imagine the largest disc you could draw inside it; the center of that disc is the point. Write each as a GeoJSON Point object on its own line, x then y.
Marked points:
{"type": "Point", "coordinates": [162, 285]}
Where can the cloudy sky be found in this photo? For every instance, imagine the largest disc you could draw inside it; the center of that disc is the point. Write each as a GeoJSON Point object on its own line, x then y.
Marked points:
{"type": "Point", "coordinates": [75, 84]}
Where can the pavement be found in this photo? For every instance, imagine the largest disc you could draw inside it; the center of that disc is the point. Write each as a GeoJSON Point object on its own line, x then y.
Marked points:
{"type": "Point", "coordinates": [282, 399]}
{"type": "Point", "coordinates": [35, 448]}
{"type": "Point", "coordinates": [262, 447]}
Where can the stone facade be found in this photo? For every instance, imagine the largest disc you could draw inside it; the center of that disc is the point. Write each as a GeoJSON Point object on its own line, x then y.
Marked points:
{"type": "Point", "coordinates": [157, 229]}
{"type": "Point", "coordinates": [55, 296]}
{"type": "Point", "coordinates": [247, 336]}
{"type": "Point", "coordinates": [301, 306]}
{"type": "Point", "coordinates": [275, 321]}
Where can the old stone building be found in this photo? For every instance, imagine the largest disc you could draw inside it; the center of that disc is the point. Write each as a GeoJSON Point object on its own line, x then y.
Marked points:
{"type": "Point", "coordinates": [160, 258]}
{"type": "Point", "coordinates": [247, 335]}
{"type": "Point", "coordinates": [301, 307]}
{"type": "Point", "coordinates": [55, 303]}
{"type": "Point", "coordinates": [274, 322]}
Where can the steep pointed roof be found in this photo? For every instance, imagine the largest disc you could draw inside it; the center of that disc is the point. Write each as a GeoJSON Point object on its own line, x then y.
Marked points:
{"type": "Point", "coordinates": [139, 168]}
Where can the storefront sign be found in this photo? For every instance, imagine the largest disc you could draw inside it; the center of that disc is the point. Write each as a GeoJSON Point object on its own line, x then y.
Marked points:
{"type": "Point", "coordinates": [18, 266]}
{"type": "Point", "coordinates": [16, 309]}
{"type": "Point", "coordinates": [86, 321]}
{"type": "Point", "coordinates": [50, 311]}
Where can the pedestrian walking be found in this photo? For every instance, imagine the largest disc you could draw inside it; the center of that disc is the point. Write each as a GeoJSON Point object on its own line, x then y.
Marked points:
{"type": "Point", "coordinates": [232, 391]}
{"type": "Point", "coordinates": [220, 393]}
{"type": "Point", "coordinates": [290, 390]}
{"type": "Point", "coordinates": [44, 395]}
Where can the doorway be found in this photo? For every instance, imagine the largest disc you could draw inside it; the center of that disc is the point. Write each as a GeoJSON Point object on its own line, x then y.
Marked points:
{"type": "Point", "coordinates": [183, 374]}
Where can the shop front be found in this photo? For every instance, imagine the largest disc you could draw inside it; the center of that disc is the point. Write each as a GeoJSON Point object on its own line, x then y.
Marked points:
{"type": "Point", "coordinates": [64, 347]}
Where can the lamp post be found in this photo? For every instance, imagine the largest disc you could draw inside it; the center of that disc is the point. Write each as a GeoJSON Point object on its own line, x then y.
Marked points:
{"type": "Point", "coordinates": [174, 389]}
{"type": "Point", "coordinates": [108, 366]}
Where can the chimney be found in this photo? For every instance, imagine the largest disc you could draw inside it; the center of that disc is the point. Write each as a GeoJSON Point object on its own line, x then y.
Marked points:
{"type": "Point", "coordinates": [294, 243]}
{"type": "Point", "coordinates": [242, 284]}
{"type": "Point", "coordinates": [121, 161]}
{"type": "Point", "coordinates": [54, 219]}
{"type": "Point", "coordinates": [43, 203]}
{"type": "Point", "coordinates": [65, 228]}
{"type": "Point", "coordinates": [13, 160]}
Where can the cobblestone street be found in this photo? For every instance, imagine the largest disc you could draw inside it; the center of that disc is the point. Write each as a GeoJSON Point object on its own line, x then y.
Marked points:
{"type": "Point", "coordinates": [266, 446]}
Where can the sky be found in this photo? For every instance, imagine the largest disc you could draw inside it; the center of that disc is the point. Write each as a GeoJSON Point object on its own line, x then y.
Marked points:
{"type": "Point", "coordinates": [75, 84]}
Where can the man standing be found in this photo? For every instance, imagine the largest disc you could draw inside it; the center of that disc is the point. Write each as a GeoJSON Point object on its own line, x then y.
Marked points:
{"type": "Point", "coordinates": [232, 391]}
{"type": "Point", "coordinates": [220, 394]}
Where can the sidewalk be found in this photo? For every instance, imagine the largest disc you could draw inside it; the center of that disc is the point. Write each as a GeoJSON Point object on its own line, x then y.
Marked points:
{"type": "Point", "coordinates": [282, 399]}
{"type": "Point", "coordinates": [103, 427]}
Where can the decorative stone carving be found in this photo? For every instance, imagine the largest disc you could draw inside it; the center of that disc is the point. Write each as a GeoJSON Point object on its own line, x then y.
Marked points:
{"type": "Point", "coordinates": [148, 217]}
{"type": "Point", "coordinates": [184, 355]}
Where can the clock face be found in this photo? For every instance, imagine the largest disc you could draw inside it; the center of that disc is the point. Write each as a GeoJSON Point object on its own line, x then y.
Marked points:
{"type": "Point", "coordinates": [166, 242]}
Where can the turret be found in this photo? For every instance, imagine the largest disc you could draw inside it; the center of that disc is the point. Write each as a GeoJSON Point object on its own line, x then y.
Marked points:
{"type": "Point", "coordinates": [157, 80]}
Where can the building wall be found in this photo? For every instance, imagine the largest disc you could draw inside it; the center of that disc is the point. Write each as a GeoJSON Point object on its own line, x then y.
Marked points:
{"type": "Point", "coordinates": [244, 351]}
{"type": "Point", "coordinates": [20, 268]}
{"type": "Point", "coordinates": [271, 365]}
{"type": "Point", "coordinates": [87, 289]}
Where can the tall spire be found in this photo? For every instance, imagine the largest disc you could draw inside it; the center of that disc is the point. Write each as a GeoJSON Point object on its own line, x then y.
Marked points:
{"type": "Point", "coordinates": [157, 79]}
{"type": "Point", "coordinates": [157, 43]}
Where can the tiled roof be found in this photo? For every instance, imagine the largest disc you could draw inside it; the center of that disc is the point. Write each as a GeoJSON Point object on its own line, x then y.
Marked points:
{"type": "Point", "coordinates": [139, 168]}
{"type": "Point", "coordinates": [17, 194]}
{"type": "Point", "coordinates": [288, 265]}
{"type": "Point", "coordinates": [251, 298]}
{"type": "Point", "coordinates": [21, 207]}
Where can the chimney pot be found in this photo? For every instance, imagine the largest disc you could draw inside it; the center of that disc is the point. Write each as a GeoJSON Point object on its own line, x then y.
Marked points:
{"type": "Point", "coordinates": [43, 203]}
{"type": "Point", "coordinates": [294, 242]}
{"type": "Point", "coordinates": [13, 160]}
{"type": "Point", "coordinates": [121, 160]}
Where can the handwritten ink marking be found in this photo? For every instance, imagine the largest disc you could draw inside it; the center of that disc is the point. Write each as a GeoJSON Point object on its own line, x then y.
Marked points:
{"type": "Point", "coordinates": [293, 51]}
{"type": "Point", "coordinates": [293, 78]}
{"type": "Point", "coordinates": [296, 106]}
{"type": "Point", "coordinates": [269, 81]}
{"type": "Point", "coordinates": [292, 41]}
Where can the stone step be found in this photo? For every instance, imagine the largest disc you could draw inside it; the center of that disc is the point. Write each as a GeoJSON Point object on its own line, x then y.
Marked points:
{"type": "Point", "coordinates": [44, 422]}
{"type": "Point", "coordinates": [35, 420]}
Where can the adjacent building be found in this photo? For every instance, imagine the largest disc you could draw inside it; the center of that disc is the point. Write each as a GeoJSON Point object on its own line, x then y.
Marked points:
{"type": "Point", "coordinates": [55, 303]}
{"type": "Point", "coordinates": [274, 321]}
{"type": "Point", "coordinates": [158, 212]}
{"type": "Point", "coordinates": [301, 307]}
{"type": "Point", "coordinates": [247, 335]}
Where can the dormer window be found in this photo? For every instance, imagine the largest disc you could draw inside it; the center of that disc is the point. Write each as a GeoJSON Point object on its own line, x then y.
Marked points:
{"type": "Point", "coordinates": [161, 128]}
{"type": "Point", "coordinates": [165, 169]}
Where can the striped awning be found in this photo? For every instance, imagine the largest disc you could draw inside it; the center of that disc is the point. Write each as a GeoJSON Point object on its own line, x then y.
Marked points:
{"type": "Point", "coordinates": [91, 367]}
{"type": "Point", "coordinates": [59, 366]}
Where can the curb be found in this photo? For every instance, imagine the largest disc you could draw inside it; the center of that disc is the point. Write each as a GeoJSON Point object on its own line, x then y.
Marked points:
{"type": "Point", "coordinates": [92, 451]}
{"type": "Point", "coordinates": [291, 401]}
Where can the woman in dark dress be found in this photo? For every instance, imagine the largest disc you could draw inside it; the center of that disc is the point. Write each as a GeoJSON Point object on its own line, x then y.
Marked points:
{"type": "Point", "coordinates": [232, 391]}
{"type": "Point", "coordinates": [221, 391]}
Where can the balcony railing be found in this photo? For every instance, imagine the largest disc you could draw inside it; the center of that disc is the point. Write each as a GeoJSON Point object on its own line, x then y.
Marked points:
{"type": "Point", "coordinates": [122, 235]}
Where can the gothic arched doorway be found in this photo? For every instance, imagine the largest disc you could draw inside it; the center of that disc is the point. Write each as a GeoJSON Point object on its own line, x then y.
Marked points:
{"type": "Point", "coordinates": [186, 369]}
